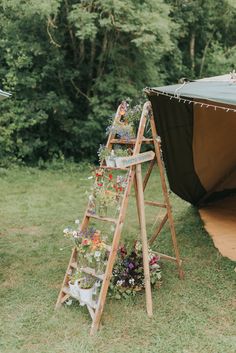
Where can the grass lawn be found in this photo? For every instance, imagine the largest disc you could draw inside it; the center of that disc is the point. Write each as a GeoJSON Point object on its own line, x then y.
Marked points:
{"type": "Point", "coordinates": [190, 316]}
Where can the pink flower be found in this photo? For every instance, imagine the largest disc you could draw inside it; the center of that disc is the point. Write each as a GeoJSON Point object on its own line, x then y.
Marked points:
{"type": "Point", "coordinates": [153, 260]}
{"type": "Point", "coordinates": [85, 242]}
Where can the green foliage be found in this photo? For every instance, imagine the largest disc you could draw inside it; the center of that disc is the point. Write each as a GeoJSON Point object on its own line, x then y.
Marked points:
{"type": "Point", "coordinates": [68, 63]}
{"type": "Point", "coordinates": [206, 30]}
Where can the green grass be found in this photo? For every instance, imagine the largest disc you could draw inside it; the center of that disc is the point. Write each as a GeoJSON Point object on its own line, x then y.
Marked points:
{"type": "Point", "coordinates": [190, 316]}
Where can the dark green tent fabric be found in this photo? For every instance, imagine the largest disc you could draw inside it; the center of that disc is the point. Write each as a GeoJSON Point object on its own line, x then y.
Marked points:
{"type": "Point", "coordinates": [174, 123]}
{"type": "Point", "coordinates": [174, 119]}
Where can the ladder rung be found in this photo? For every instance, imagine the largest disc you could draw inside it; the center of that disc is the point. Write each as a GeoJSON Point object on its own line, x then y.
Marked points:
{"type": "Point", "coordinates": [104, 219]}
{"type": "Point", "coordinates": [130, 141]}
{"type": "Point", "coordinates": [73, 265]}
{"type": "Point", "coordinates": [114, 168]}
{"type": "Point", "coordinates": [66, 296]}
{"type": "Point", "coordinates": [167, 257]}
{"type": "Point", "coordinates": [91, 271]}
{"type": "Point", "coordinates": [153, 203]}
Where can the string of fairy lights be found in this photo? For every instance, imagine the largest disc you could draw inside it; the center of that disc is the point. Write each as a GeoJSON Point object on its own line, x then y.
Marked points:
{"type": "Point", "coordinates": [188, 101]}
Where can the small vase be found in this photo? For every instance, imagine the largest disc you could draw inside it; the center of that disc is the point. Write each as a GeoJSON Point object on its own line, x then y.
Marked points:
{"type": "Point", "coordinates": [86, 296]}
{"type": "Point", "coordinates": [101, 211]}
{"type": "Point", "coordinates": [74, 289]}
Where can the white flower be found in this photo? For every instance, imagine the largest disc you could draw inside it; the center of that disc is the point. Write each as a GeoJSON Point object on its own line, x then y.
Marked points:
{"type": "Point", "coordinates": [131, 281]}
{"type": "Point", "coordinates": [90, 177]}
{"type": "Point", "coordinates": [119, 283]}
{"type": "Point", "coordinates": [66, 231]}
{"type": "Point", "coordinates": [77, 221]}
{"type": "Point", "coordinates": [97, 255]}
{"type": "Point", "coordinates": [75, 234]}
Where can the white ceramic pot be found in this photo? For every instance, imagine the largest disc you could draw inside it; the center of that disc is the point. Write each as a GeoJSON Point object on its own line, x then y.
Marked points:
{"type": "Point", "coordinates": [74, 289]}
{"type": "Point", "coordinates": [86, 296]}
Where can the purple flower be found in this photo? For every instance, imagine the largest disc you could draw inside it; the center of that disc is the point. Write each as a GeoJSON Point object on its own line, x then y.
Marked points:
{"type": "Point", "coordinates": [131, 265]}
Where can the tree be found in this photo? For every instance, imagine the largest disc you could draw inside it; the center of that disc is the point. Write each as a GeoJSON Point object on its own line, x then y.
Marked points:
{"type": "Point", "coordinates": [68, 63]}
{"type": "Point", "coordinates": [206, 30]}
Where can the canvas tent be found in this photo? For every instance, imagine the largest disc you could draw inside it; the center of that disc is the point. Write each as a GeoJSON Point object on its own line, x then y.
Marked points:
{"type": "Point", "coordinates": [197, 124]}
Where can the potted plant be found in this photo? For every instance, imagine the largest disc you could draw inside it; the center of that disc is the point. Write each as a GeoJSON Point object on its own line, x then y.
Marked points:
{"type": "Point", "coordinates": [104, 153]}
{"type": "Point", "coordinates": [125, 126]}
{"type": "Point", "coordinates": [120, 153]}
{"type": "Point", "coordinates": [104, 193]}
{"type": "Point", "coordinates": [92, 253]}
{"type": "Point", "coordinates": [74, 284]}
{"type": "Point", "coordinates": [86, 289]}
{"type": "Point", "coordinates": [128, 273]}
{"type": "Point", "coordinates": [122, 130]}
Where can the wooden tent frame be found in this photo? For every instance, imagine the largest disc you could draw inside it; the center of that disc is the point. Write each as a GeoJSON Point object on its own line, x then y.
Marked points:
{"type": "Point", "coordinates": [134, 178]}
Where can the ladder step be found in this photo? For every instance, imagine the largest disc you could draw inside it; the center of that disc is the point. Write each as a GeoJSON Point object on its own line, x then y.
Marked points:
{"type": "Point", "coordinates": [104, 219]}
{"type": "Point", "coordinates": [153, 203]}
{"type": "Point", "coordinates": [114, 168]}
{"type": "Point", "coordinates": [130, 141]}
{"type": "Point", "coordinates": [73, 265]}
{"type": "Point", "coordinates": [167, 257]}
{"type": "Point", "coordinates": [91, 271]}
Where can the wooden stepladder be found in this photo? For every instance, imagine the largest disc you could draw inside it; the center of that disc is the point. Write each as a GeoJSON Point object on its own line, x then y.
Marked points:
{"type": "Point", "coordinates": [133, 167]}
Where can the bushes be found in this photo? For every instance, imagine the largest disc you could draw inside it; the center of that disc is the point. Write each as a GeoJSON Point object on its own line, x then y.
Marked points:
{"type": "Point", "coordinates": [69, 62]}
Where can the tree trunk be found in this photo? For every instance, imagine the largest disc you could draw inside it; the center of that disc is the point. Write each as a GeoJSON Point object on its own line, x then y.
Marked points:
{"type": "Point", "coordinates": [192, 51]}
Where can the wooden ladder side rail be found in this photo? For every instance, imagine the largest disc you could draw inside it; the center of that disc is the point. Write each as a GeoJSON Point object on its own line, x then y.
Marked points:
{"type": "Point", "coordinates": [157, 147]}
{"type": "Point", "coordinates": [142, 221]}
{"type": "Point", "coordinates": [119, 226]}
{"type": "Point", "coordinates": [63, 296]}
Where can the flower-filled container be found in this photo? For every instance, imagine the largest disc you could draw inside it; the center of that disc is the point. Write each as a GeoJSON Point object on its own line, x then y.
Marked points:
{"type": "Point", "coordinates": [74, 289]}
{"type": "Point", "coordinates": [86, 296]}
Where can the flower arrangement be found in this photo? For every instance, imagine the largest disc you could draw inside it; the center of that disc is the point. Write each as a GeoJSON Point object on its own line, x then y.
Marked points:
{"type": "Point", "coordinates": [91, 249]}
{"type": "Point", "coordinates": [91, 253]}
{"type": "Point", "coordinates": [104, 153]}
{"type": "Point", "coordinates": [123, 130]}
{"type": "Point", "coordinates": [106, 192]}
{"type": "Point", "coordinates": [128, 273]}
{"type": "Point", "coordinates": [126, 126]}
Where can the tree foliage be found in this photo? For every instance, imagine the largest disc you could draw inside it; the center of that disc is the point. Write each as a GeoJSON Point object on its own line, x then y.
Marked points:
{"type": "Point", "coordinates": [69, 62]}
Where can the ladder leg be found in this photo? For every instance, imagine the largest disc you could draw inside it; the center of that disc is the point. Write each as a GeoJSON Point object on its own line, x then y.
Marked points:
{"type": "Point", "coordinates": [166, 196]}
{"type": "Point", "coordinates": [144, 241]}
{"type": "Point", "coordinates": [136, 195]}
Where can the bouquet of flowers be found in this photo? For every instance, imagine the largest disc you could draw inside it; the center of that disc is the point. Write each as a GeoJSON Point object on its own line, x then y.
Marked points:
{"type": "Point", "coordinates": [106, 192]}
{"type": "Point", "coordinates": [91, 248]}
{"type": "Point", "coordinates": [128, 273]}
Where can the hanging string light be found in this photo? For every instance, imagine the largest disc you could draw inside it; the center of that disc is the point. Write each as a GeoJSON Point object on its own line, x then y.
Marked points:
{"type": "Point", "coordinates": [189, 101]}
